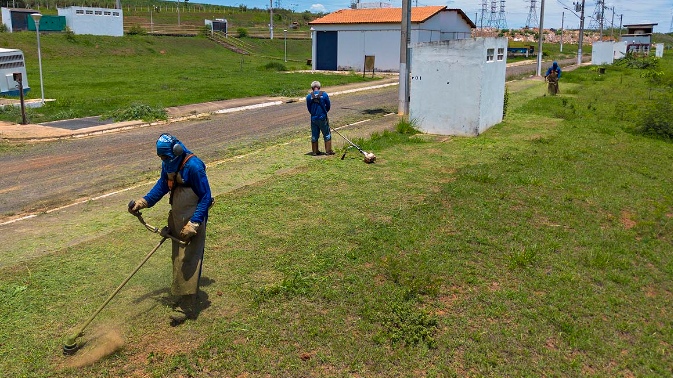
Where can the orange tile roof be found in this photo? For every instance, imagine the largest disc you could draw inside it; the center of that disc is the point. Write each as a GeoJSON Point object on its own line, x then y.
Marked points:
{"type": "Point", "coordinates": [377, 16]}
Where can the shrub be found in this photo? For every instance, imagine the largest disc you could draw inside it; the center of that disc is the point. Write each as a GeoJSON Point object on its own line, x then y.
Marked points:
{"type": "Point", "coordinates": [136, 30]}
{"type": "Point", "coordinates": [242, 32]}
{"type": "Point", "coordinates": [205, 31]}
{"type": "Point", "coordinates": [657, 118]}
{"type": "Point", "coordinates": [69, 34]}
{"type": "Point", "coordinates": [3, 28]}
{"type": "Point", "coordinates": [137, 111]}
{"type": "Point", "coordinates": [275, 66]}
{"type": "Point", "coordinates": [505, 103]}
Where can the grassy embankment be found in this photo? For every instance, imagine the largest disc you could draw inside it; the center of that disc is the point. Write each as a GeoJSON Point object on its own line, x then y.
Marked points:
{"type": "Point", "coordinates": [92, 75]}
{"type": "Point", "coordinates": [552, 51]}
{"type": "Point", "coordinates": [541, 248]}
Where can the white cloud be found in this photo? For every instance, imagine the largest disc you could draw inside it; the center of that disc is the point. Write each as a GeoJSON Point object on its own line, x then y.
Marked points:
{"type": "Point", "coordinates": [318, 8]}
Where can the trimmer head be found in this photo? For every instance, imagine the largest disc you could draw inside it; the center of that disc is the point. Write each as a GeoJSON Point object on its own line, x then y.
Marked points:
{"type": "Point", "coordinates": [70, 346]}
{"type": "Point", "coordinates": [369, 157]}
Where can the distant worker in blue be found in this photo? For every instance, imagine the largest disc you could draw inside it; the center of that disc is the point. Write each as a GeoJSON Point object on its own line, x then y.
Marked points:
{"type": "Point", "coordinates": [318, 105]}
{"type": "Point", "coordinates": [183, 175]}
{"type": "Point", "coordinates": [553, 75]}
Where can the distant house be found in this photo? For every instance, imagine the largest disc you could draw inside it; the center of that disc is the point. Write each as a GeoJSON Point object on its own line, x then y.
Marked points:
{"type": "Point", "coordinates": [638, 38]}
{"type": "Point", "coordinates": [16, 19]}
{"type": "Point", "coordinates": [95, 21]}
{"type": "Point", "coordinates": [343, 38]}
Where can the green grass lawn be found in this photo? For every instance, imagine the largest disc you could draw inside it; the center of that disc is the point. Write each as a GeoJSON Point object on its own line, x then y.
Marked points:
{"type": "Point", "coordinates": [93, 75]}
{"type": "Point", "coordinates": [541, 248]}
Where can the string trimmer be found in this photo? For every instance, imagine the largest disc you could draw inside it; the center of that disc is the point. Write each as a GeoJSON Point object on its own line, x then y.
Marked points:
{"type": "Point", "coordinates": [71, 345]}
{"type": "Point", "coordinates": [369, 157]}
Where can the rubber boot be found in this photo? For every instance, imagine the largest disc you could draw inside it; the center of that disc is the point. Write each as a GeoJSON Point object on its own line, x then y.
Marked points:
{"type": "Point", "coordinates": [328, 147]}
{"type": "Point", "coordinates": [314, 149]}
{"type": "Point", "coordinates": [186, 309]}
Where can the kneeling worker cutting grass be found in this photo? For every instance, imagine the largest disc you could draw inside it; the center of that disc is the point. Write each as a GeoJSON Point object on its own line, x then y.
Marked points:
{"type": "Point", "coordinates": [318, 105]}
{"type": "Point", "coordinates": [183, 175]}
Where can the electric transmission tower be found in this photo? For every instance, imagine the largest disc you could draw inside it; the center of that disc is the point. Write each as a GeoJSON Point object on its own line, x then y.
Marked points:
{"type": "Point", "coordinates": [599, 15]}
{"type": "Point", "coordinates": [532, 20]}
{"type": "Point", "coordinates": [502, 16]}
{"type": "Point", "coordinates": [484, 10]}
{"type": "Point", "coordinates": [493, 15]}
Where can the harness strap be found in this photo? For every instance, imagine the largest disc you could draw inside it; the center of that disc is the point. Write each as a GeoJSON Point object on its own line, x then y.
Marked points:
{"type": "Point", "coordinates": [171, 183]}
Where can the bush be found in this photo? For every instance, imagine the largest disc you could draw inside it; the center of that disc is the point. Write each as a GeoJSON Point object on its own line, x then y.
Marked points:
{"type": "Point", "coordinates": [505, 103]}
{"type": "Point", "coordinates": [206, 31]}
{"type": "Point", "coordinates": [137, 111]}
{"type": "Point", "coordinates": [3, 28]}
{"type": "Point", "coordinates": [657, 118]}
{"type": "Point", "coordinates": [69, 34]}
{"type": "Point", "coordinates": [275, 66]}
{"type": "Point", "coordinates": [632, 61]}
{"type": "Point", "coordinates": [242, 32]}
{"type": "Point", "coordinates": [136, 30]}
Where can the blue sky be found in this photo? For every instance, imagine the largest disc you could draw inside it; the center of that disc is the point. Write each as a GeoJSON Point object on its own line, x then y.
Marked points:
{"type": "Point", "coordinates": [635, 11]}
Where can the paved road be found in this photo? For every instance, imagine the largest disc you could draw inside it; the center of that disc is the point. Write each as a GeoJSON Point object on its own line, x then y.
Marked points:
{"type": "Point", "coordinates": [46, 175]}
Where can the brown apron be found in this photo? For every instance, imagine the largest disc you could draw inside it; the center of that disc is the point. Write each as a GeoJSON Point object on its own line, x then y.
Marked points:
{"type": "Point", "coordinates": [186, 259]}
{"type": "Point", "coordinates": [552, 87]}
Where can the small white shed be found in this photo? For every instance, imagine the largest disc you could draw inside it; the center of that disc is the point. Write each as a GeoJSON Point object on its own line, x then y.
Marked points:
{"type": "Point", "coordinates": [343, 38]}
{"type": "Point", "coordinates": [458, 86]}
{"type": "Point", "coordinates": [602, 53]}
{"type": "Point", "coordinates": [12, 61]}
{"type": "Point", "coordinates": [95, 21]}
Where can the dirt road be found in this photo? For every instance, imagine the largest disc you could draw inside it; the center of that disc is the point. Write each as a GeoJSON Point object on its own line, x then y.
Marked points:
{"type": "Point", "coordinates": [47, 175]}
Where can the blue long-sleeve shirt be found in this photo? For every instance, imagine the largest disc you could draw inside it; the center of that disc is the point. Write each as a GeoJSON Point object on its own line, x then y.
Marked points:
{"type": "Point", "coordinates": [558, 68]}
{"type": "Point", "coordinates": [194, 176]}
{"type": "Point", "coordinates": [315, 109]}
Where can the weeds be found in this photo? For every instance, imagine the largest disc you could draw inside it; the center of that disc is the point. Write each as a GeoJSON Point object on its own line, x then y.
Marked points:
{"type": "Point", "coordinates": [403, 323]}
{"type": "Point", "coordinates": [405, 126]}
{"type": "Point", "coordinates": [138, 111]}
{"type": "Point", "coordinates": [296, 284]}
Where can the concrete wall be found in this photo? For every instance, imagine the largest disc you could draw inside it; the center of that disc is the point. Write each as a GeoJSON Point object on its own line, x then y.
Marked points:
{"type": "Point", "coordinates": [95, 21]}
{"type": "Point", "coordinates": [454, 89]}
{"type": "Point", "coordinates": [619, 50]}
{"type": "Point", "coordinates": [660, 50]}
{"type": "Point", "coordinates": [6, 18]}
{"type": "Point", "coordinates": [602, 53]}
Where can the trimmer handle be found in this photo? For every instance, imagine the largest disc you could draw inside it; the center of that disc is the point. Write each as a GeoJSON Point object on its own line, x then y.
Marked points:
{"type": "Point", "coordinates": [163, 232]}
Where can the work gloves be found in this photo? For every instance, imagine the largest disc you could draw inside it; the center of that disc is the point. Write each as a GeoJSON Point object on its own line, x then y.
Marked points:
{"type": "Point", "coordinates": [137, 206]}
{"type": "Point", "coordinates": [189, 230]}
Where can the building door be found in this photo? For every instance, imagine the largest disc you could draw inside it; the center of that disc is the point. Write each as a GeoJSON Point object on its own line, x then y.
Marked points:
{"type": "Point", "coordinates": [327, 50]}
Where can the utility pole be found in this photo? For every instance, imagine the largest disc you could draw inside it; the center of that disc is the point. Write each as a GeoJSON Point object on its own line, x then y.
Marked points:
{"type": "Point", "coordinates": [581, 41]}
{"type": "Point", "coordinates": [602, 18]}
{"type": "Point", "coordinates": [563, 18]}
{"type": "Point", "coordinates": [403, 106]}
{"type": "Point", "coordinates": [540, 40]}
{"type": "Point", "coordinates": [612, 25]}
{"type": "Point", "coordinates": [271, 18]}
{"type": "Point", "coordinates": [621, 18]}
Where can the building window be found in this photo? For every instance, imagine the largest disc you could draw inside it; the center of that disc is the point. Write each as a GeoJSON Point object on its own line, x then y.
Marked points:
{"type": "Point", "coordinates": [501, 53]}
{"type": "Point", "coordinates": [108, 13]}
{"type": "Point", "coordinates": [79, 11]}
{"type": "Point", "coordinates": [490, 54]}
{"type": "Point", "coordinates": [116, 14]}
{"type": "Point", "coordinates": [89, 12]}
{"type": "Point", "coordinates": [99, 13]}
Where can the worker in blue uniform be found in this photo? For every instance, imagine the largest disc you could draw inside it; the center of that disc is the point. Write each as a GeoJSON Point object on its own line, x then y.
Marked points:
{"type": "Point", "coordinates": [318, 105]}
{"type": "Point", "coordinates": [183, 175]}
{"type": "Point", "coordinates": [552, 77]}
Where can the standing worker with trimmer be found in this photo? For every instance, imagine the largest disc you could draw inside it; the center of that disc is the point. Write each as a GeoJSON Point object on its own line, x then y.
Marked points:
{"type": "Point", "coordinates": [318, 105]}
{"type": "Point", "coordinates": [183, 175]}
{"type": "Point", "coordinates": [552, 76]}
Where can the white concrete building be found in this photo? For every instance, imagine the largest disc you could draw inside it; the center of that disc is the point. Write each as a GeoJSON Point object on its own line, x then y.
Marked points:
{"type": "Point", "coordinates": [458, 86]}
{"type": "Point", "coordinates": [619, 50]}
{"type": "Point", "coordinates": [659, 50]}
{"type": "Point", "coordinates": [343, 38]}
{"type": "Point", "coordinates": [638, 38]}
{"type": "Point", "coordinates": [16, 19]}
{"type": "Point", "coordinates": [96, 21]}
{"type": "Point", "coordinates": [11, 61]}
{"type": "Point", "coordinates": [603, 53]}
